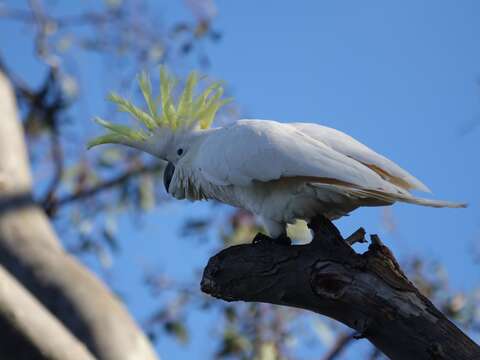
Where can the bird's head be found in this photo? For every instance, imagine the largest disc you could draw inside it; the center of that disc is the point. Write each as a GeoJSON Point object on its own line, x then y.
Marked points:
{"type": "Point", "coordinates": [167, 125]}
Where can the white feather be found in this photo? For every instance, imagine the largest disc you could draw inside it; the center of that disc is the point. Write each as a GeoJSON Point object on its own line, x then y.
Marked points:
{"type": "Point", "coordinates": [285, 172]}
{"type": "Point", "coordinates": [250, 150]}
{"type": "Point", "coordinates": [348, 146]}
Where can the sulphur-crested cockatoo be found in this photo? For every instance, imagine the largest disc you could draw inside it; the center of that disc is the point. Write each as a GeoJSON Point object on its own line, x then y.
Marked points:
{"type": "Point", "coordinates": [279, 171]}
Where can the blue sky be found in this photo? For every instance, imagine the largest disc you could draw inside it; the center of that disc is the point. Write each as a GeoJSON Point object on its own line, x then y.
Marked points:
{"type": "Point", "coordinates": [399, 76]}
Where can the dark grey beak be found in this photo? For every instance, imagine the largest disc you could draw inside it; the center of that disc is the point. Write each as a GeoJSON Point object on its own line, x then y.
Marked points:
{"type": "Point", "coordinates": [168, 175]}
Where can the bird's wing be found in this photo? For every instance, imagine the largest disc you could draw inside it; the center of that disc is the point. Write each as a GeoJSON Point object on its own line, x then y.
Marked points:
{"type": "Point", "coordinates": [261, 150]}
{"type": "Point", "coordinates": [354, 149]}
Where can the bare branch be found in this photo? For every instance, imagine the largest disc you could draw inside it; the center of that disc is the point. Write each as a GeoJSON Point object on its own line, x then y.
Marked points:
{"type": "Point", "coordinates": [367, 292]}
{"type": "Point", "coordinates": [357, 236]}
{"type": "Point", "coordinates": [103, 186]}
{"type": "Point", "coordinates": [342, 341]}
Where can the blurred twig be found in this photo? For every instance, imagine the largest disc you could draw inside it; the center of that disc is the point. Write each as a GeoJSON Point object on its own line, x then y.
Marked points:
{"type": "Point", "coordinates": [58, 162]}
{"type": "Point", "coordinates": [343, 340]}
{"type": "Point", "coordinates": [102, 186]}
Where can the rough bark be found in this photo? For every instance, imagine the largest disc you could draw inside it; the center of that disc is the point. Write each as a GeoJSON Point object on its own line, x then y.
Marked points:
{"type": "Point", "coordinates": [29, 331]}
{"type": "Point", "coordinates": [367, 292]}
{"type": "Point", "coordinates": [31, 252]}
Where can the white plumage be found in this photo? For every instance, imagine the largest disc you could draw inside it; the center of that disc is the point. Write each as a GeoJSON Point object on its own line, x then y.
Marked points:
{"type": "Point", "coordinates": [283, 172]}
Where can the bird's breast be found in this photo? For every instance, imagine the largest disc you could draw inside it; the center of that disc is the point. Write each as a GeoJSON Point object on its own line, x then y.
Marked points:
{"type": "Point", "coordinates": [283, 200]}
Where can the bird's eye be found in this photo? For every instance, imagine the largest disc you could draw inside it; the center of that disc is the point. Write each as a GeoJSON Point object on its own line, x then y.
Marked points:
{"type": "Point", "coordinates": [179, 152]}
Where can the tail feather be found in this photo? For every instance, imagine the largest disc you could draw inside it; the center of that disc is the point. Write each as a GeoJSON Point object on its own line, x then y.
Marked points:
{"type": "Point", "coordinates": [434, 203]}
{"type": "Point", "coordinates": [407, 198]}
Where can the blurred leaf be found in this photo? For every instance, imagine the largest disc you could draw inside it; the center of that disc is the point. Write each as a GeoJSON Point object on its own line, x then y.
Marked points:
{"type": "Point", "coordinates": [202, 28]}
{"type": "Point", "coordinates": [230, 314]}
{"type": "Point", "coordinates": [233, 344]}
{"type": "Point", "coordinates": [193, 226]}
{"type": "Point", "coordinates": [50, 27]}
{"type": "Point", "coordinates": [268, 351]}
{"type": "Point", "coordinates": [458, 302]}
{"type": "Point", "coordinates": [156, 53]}
{"type": "Point", "coordinates": [85, 227]}
{"type": "Point", "coordinates": [180, 28]}
{"type": "Point", "coordinates": [324, 332]}
{"type": "Point", "coordinates": [69, 86]}
{"type": "Point", "coordinates": [110, 232]}
{"type": "Point", "coordinates": [178, 330]}
{"type": "Point", "coordinates": [204, 10]}
{"type": "Point", "coordinates": [110, 157]}
{"type": "Point", "coordinates": [64, 43]}
{"type": "Point", "coordinates": [147, 192]}
{"type": "Point", "coordinates": [104, 257]}
{"type": "Point", "coordinates": [113, 3]}
{"type": "Point", "coordinates": [215, 35]}
{"type": "Point", "coordinates": [34, 125]}
{"type": "Point", "coordinates": [186, 48]}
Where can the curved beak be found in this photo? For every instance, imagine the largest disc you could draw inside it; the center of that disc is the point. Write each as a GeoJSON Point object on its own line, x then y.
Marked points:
{"type": "Point", "coordinates": [168, 175]}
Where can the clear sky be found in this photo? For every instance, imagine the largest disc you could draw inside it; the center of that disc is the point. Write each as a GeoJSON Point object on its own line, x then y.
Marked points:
{"type": "Point", "coordinates": [399, 76]}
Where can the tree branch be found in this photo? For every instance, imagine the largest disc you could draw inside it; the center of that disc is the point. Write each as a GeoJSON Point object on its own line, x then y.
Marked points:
{"type": "Point", "coordinates": [105, 185]}
{"type": "Point", "coordinates": [29, 331]}
{"type": "Point", "coordinates": [342, 342]}
{"type": "Point", "coordinates": [367, 292]}
{"type": "Point", "coordinates": [31, 252]}
{"type": "Point", "coordinates": [58, 162]}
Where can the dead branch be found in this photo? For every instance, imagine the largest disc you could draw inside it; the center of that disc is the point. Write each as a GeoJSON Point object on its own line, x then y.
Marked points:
{"type": "Point", "coordinates": [367, 292]}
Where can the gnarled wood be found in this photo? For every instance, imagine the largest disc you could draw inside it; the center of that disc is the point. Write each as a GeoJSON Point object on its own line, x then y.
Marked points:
{"type": "Point", "coordinates": [367, 292]}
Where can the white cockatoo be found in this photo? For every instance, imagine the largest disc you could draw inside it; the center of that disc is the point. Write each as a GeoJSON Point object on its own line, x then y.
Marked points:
{"type": "Point", "coordinates": [279, 171]}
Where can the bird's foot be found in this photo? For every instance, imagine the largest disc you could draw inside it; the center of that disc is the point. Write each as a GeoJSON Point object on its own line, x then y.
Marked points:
{"type": "Point", "coordinates": [281, 240]}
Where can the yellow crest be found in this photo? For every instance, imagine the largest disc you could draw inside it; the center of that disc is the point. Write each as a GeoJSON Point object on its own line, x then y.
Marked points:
{"type": "Point", "coordinates": [164, 111]}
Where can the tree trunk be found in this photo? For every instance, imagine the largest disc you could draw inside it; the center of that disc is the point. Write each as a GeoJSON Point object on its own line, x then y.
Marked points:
{"type": "Point", "coordinates": [367, 292]}
{"type": "Point", "coordinates": [31, 252]}
{"type": "Point", "coordinates": [29, 331]}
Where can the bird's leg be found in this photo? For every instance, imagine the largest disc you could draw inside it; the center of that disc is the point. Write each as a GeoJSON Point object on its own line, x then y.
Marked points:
{"type": "Point", "coordinates": [276, 230]}
{"type": "Point", "coordinates": [283, 239]}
